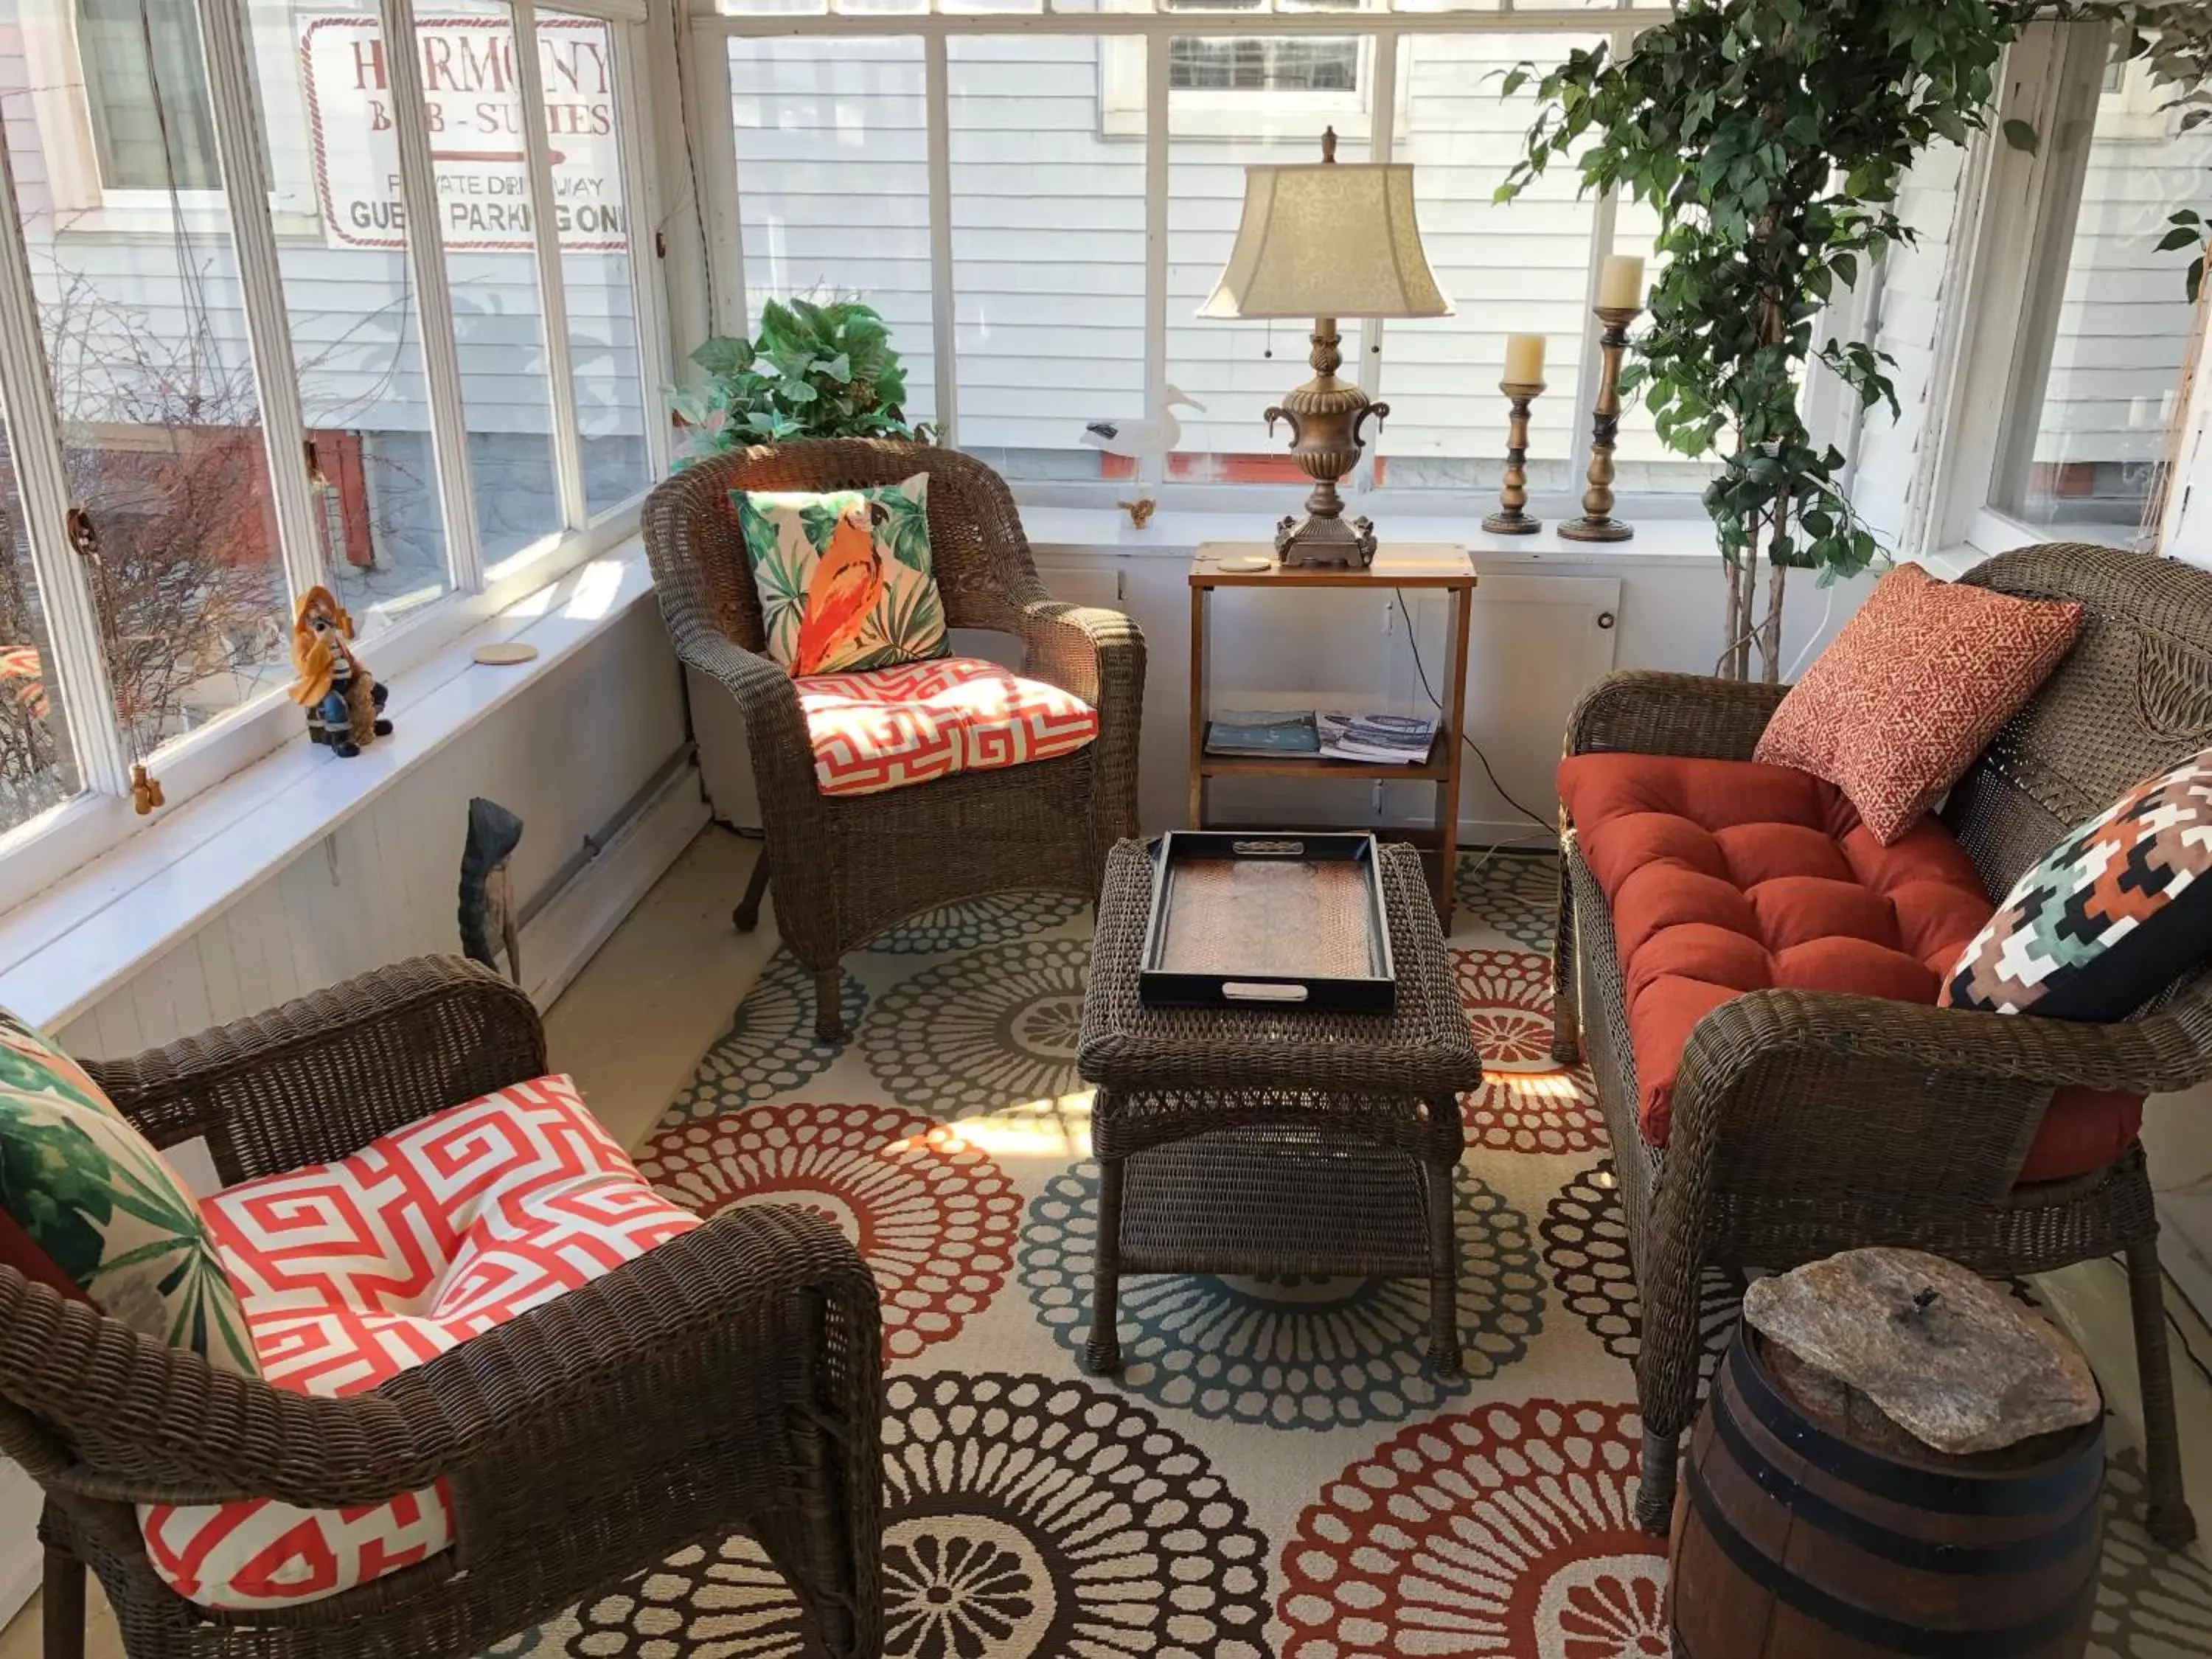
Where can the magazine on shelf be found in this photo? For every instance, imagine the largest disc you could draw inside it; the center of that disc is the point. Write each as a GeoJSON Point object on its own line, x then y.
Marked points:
{"type": "Point", "coordinates": [1263, 731]}
{"type": "Point", "coordinates": [1403, 739]}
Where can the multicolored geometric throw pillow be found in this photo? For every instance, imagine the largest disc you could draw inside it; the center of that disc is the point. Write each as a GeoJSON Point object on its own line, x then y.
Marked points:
{"type": "Point", "coordinates": [844, 579]}
{"type": "Point", "coordinates": [98, 1213]}
{"type": "Point", "coordinates": [2109, 917]}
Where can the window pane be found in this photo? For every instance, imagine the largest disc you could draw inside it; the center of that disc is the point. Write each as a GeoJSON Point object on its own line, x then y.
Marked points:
{"type": "Point", "coordinates": [583, 95]}
{"type": "Point", "coordinates": [1048, 250]}
{"type": "Point", "coordinates": [146, 94]}
{"type": "Point", "coordinates": [1254, 63]}
{"type": "Point", "coordinates": [2095, 388]}
{"type": "Point", "coordinates": [1238, 369]}
{"type": "Point", "coordinates": [1519, 267]}
{"type": "Point", "coordinates": [140, 311]}
{"type": "Point", "coordinates": [350, 296]}
{"type": "Point", "coordinates": [38, 768]}
{"type": "Point", "coordinates": [499, 320]}
{"type": "Point", "coordinates": [833, 174]}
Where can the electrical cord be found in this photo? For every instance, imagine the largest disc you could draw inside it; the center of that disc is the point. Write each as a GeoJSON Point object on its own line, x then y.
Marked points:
{"type": "Point", "coordinates": [2189, 1348]}
{"type": "Point", "coordinates": [1429, 691]}
{"type": "Point", "coordinates": [1827, 610]}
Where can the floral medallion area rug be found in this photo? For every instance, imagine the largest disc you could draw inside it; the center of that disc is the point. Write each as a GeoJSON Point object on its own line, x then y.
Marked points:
{"type": "Point", "coordinates": [1275, 1472]}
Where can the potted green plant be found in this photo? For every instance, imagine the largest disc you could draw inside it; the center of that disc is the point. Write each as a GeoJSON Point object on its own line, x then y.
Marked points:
{"type": "Point", "coordinates": [817, 370]}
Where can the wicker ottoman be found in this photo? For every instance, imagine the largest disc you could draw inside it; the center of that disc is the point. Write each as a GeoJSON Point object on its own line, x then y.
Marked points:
{"type": "Point", "coordinates": [1246, 1141]}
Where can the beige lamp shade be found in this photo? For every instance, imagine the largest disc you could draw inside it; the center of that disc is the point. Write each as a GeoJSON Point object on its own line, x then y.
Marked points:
{"type": "Point", "coordinates": [1328, 239]}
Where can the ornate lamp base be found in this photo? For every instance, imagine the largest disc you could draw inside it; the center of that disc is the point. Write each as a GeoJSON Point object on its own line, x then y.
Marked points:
{"type": "Point", "coordinates": [1326, 414]}
{"type": "Point", "coordinates": [1324, 543]}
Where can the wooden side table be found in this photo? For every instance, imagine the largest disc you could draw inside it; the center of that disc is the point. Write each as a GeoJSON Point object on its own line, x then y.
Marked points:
{"type": "Point", "coordinates": [1439, 565]}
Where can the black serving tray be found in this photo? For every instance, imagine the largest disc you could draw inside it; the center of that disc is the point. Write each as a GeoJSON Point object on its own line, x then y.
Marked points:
{"type": "Point", "coordinates": [1273, 920]}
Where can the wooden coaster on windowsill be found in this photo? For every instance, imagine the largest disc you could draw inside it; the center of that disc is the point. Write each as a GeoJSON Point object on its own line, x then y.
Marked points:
{"type": "Point", "coordinates": [505, 654]}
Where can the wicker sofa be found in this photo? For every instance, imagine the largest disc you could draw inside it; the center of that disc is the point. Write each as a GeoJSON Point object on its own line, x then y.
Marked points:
{"type": "Point", "coordinates": [845, 867]}
{"type": "Point", "coordinates": [728, 1379]}
{"type": "Point", "coordinates": [1804, 1123]}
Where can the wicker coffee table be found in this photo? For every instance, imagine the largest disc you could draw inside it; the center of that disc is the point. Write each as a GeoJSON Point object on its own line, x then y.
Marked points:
{"type": "Point", "coordinates": [1245, 1140]}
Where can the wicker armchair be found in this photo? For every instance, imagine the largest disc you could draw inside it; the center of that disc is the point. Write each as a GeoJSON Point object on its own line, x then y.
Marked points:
{"type": "Point", "coordinates": [848, 867]}
{"type": "Point", "coordinates": [728, 1379]}
{"type": "Point", "coordinates": [1805, 1124]}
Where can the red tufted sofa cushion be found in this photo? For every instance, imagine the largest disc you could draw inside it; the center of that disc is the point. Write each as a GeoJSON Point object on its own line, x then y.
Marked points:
{"type": "Point", "coordinates": [1725, 877]}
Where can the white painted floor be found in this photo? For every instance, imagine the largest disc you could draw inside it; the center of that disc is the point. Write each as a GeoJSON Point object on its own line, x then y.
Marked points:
{"type": "Point", "coordinates": [632, 1028]}
{"type": "Point", "coordinates": [633, 1025]}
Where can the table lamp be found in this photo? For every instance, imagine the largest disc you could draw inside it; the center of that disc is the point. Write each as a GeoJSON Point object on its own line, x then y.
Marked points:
{"type": "Point", "coordinates": [1327, 240]}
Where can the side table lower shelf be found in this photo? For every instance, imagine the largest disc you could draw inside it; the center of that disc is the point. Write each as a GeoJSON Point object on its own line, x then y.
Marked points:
{"type": "Point", "coordinates": [1276, 1199]}
{"type": "Point", "coordinates": [1441, 567]}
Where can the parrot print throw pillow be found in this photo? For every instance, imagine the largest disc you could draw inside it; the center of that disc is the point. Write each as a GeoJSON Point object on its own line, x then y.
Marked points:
{"type": "Point", "coordinates": [844, 578]}
{"type": "Point", "coordinates": [88, 1208]}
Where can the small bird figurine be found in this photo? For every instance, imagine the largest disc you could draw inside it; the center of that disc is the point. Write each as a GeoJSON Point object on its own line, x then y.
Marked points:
{"type": "Point", "coordinates": [848, 580]}
{"type": "Point", "coordinates": [1135, 439]}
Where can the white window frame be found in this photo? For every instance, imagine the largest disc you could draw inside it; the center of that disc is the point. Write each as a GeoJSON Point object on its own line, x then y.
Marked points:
{"type": "Point", "coordinates": [1130, 34]}
{"type": "Point", "coordinates": [60, 99]}
{"type": "Point", "coordinates": [2007, 313]}
{"type": "Point", "coordinates": [36, 854]}
{"type": "Point", "coordinates": [1226, 111]}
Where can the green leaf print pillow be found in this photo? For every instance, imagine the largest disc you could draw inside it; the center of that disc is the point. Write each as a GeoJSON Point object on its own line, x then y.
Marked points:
{"type": "Point", "coordinates": [98, 1213]}
{"type": "Point", "coordinates": [844, 579]}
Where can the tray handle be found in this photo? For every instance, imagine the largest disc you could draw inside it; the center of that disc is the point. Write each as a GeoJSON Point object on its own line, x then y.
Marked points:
{"type": "Point", "coordinates": [1245, 990]}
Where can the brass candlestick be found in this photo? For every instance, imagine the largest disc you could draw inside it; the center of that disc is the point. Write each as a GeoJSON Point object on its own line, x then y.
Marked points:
{"type": "Point", "coordinates": [1513, 489]}
{"type": "Point", "coordinates": [1597, 523]}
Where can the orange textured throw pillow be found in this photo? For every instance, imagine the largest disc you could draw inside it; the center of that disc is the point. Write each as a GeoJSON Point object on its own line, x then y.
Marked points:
{"type": "Point", "coordinates": [1912, 688]}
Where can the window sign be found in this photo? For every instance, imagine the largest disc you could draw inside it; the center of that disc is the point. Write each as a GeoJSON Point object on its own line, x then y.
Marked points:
{"type": "Point", "coordinates": [474, 107]}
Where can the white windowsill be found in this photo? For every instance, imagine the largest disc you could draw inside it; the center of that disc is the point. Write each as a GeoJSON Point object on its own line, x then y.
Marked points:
{"type": "Point", "coordinates": [61, 951]}
{"type": "Point", "coordinates": [64, 949]}
{"type": "Point", "coordinates": [1060, 531]}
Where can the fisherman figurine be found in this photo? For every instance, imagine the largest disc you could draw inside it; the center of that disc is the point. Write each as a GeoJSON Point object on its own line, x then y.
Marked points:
{"type": "Point", "coordinates": [343, 701]}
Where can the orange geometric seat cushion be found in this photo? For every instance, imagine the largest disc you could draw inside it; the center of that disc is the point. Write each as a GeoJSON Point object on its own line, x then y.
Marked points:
{"type": "Point", "coordinates": [893, 726]}
{"type": "Point", "coordinates": [351, 1273]}
{"type": "Point", "coordinates": [1725, 877]}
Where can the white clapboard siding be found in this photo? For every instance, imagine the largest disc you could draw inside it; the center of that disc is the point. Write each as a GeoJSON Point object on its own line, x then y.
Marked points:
{"type": "Point", "coordinates": [833, 183]}
{"type": "Point", "coordinates": [1510, 268]}
{"type": "Point", "coordinates": [2123, 324]}
{"type": "Point", "coordinates": [1038, 195]}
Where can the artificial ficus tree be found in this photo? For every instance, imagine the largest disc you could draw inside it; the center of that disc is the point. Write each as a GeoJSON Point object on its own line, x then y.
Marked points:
{"type": "Point", "coordinates": [1772, 137]}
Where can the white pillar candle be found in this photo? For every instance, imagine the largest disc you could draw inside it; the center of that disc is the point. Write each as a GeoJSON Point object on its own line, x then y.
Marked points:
{"type": "Point", "coordinates": [1620, 284]}
{"type": "Point", "coordinates": [1524, 359]}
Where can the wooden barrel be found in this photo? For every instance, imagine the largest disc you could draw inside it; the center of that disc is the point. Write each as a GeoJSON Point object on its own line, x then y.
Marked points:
{"type": "Point", "coordinates": [1796, 1535]}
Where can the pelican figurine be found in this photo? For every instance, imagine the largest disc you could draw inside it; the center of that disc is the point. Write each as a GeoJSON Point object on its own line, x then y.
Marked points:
{"type": "Point", "coordinates": [1135, 439]}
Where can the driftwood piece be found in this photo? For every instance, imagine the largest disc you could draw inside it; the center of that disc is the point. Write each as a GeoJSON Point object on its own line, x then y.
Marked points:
{"type": "Point", "coordinates": [1951, 1359]}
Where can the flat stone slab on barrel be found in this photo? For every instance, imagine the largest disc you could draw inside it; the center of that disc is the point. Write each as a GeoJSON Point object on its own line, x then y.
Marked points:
{"type": "Point", "coordinates": [1952, 1358]}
